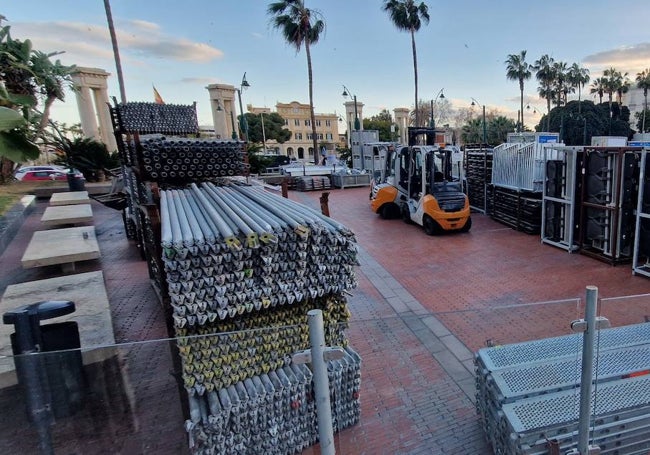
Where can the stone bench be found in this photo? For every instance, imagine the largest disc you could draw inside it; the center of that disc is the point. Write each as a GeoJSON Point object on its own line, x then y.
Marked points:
{"type": "Point", "coordinates": [61, 246]}
{"type": "Point", "coordinates": [67, 214]}
{"type": "Point", "coordinates": [93, 316]}
{"type": "Point", "coordinates": [70, 198]}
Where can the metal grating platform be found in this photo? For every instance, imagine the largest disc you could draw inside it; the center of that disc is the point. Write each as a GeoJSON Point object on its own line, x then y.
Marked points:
{"type": "Point", "coordinates": [558, 347]}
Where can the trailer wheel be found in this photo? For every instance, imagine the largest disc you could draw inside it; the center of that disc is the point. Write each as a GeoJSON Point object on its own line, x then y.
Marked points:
{"type": "Point", "coordinates": [430, 226]}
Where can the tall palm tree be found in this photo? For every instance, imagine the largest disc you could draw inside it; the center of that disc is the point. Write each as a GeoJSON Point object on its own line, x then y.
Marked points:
{"type": "Point", "coordinates": [116, 50]}
{"type": "Point", "coordinates": [300, 25]}
{"type": "Point", "coordinates": [598, 87]}
{"type": "Point", "coordinates": [560, 80]}
{"type": "Point", "coordinates": [643, 82]}
{"type": "Point", "coordinates": [543, 68]}
{"type": "Point", "coordinates": [517, 69]}
{"type": "Point", "coordinates": [408, 16]}
{"type": "Point", "coordinates": [613, 80]}
{"type": "Point", "coordinates": [578, 77]}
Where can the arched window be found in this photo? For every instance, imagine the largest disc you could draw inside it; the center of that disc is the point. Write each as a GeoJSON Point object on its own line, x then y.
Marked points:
{"type": "Point", "coordinates": [301, 153]}
{"type": "Point", "coordinates": [289, 151]}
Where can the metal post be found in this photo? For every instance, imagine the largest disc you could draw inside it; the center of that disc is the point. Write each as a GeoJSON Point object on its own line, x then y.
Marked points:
{"type": "Point", "coordinates": [588, 326]}
{"type": "Point", "coordinates": [263, 133]}
{"type": "Point", "coordinates": [357, 124]}
{"type": "Point", "coordinates": [232, 120]}
{"type": "Point", "coordinates": [321, 382]}
{"type": "Point", "coordinates": [242, 123]}
{"type": "Point", "coordinates": [484, 127]}
{"type": "Point", "coordinates": [587, 369]}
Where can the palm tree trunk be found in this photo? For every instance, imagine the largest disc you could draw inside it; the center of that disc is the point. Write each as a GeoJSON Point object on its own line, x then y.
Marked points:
{"type": "Point", "coordinates": [46, 115]}
{"type": "Point", "coordinates": [311, 101]}
{"type": "Point", "coordinates": [116, 51]}
{"type": "Point", "coordinates": [415, 72]}
{"type": "Point", "coordinates": [548, 113]}
{"type": "Point", "coordinates": [521, 89]}
{"type": "Point", "coordinates": [579, 102]}
{"type": "Point", "coordinates": [645, 108]}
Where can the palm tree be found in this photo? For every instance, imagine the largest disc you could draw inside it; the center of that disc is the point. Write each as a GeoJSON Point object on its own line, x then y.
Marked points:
{"type": "Point", "coordinates": [408, 16]}
{"type": "Point", "coordinates": [544, 73]}
{"type": "Point", "coordinates": [613, 80]}
{"type": "Point", "coordinates": [51, 79]}
{"type": "Point", "coordinates": [560, 80]}
{"type": "Point", "coordinates": [300, 25]}
{"type": "Point", "coordinates": [643, 82]}
{"type": "Point", "coordinates": [598, 87]}
{"type": "Point", "coordinates": [518, 69]}
{"type": "Point", "coordinates": [578, 77]}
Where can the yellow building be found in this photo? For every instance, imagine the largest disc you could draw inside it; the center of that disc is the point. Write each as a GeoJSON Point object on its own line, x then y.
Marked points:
{"type": "Point", "coordinates": [297, 119]}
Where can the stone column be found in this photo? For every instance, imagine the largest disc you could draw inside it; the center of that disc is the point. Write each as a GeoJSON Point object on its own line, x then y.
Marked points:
{"type": "Point", "coordinates": [92, 102]}
{"type": "Point", "coordinates": [223, 107]}
{"type": "Point", "coordinates": [402, 121]}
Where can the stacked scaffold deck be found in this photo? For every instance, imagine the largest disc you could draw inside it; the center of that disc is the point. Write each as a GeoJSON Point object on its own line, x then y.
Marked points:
{"type": "Point", "coordinates": [528, 394]}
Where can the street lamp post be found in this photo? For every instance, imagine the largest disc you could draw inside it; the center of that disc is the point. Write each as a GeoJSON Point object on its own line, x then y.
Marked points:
{"type": "Point", "coordinates": [440, 95]}
{"type": "Point", "coordinates": [357, 125]}
{"type": "Point", "coordinates": [476, 103]}
{"type": "Point", "coordinates": [243, 124]}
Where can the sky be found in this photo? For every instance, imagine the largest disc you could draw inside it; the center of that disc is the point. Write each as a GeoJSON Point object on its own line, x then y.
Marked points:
{"type": "Point", "coordinates": [182, 46]}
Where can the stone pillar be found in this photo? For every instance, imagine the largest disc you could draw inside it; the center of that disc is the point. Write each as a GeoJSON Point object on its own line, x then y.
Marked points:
{"type": "Point", "coordinates": [92, 102]}
{"type": "Point", "coordinates": [402, 121]}
{"type": "Point", "coordinates": [224, 109]}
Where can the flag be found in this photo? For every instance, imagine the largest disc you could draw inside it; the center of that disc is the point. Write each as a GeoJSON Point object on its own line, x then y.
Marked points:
{"type": "Point", "coordinates": [156, 96]}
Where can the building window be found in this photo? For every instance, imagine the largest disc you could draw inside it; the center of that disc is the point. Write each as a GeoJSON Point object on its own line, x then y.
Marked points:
{"type": "Point", "coordinates": [296, 122]}
{"type": "Point", "coordinates": [320, 136]}
{"type": "Point", "coordinates": [301, 153]}
{"type": "Point", "coordinates": [328, 136]}
{"type": "Point", "coordinates": [286, 122]}
{"type": "Point", "coordinates": [299, 136]}
{"type": "Point", "coordinates": [328, 123]}
{"type": "Point", "coordinates": [317, 122]}
{"type": "Point", "coordinates": [307, 122]}
{"type": "Point", "coordinates": [309, 136]}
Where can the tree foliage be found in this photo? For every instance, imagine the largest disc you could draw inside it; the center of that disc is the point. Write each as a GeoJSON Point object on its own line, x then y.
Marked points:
{"type": "Point", "coordinates": [273, 127]}
{"type": "Point", "coordinates": [27, 77]}
{"type": "Point", "coordinates": [578, 121]}
{"type": "Point", "coordinates": [381, 122]}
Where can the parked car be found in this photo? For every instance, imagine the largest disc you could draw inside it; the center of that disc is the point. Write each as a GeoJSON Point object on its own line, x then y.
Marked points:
{"type": "Point", "coordinates": [25, 170]}
{"type": "Point", "coordinates": [43, 175]}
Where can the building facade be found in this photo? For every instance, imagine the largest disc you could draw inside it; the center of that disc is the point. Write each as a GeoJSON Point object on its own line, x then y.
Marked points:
{"type": "Point", "coordinates": [297, 119]}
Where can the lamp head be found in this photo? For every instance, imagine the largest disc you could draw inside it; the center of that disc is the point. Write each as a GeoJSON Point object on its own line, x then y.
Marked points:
{"type": "Point", "coordinates": [473, 103]}
{"type": "Point", "coordinates": [244, 82]}
{"type": "Point", "coordinates": [442, 96]}
{"type": "Point", "coordinates": [345, 93]}
{"type": "Point", "coordinates": [219, 107]}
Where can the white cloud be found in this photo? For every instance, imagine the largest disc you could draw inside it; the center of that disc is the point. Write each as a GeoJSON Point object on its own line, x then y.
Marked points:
{"type": "Point", "coordinates": [88, 43]}
{"type": "Point", "coordinates": [200, 80]}
{"type": "Point", "coordinates": [631, 59]}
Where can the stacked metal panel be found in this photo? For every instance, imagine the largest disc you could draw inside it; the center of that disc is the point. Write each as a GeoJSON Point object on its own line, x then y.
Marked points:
{"type": "Point", "coordinates": [562, 189]}
{"type": "Point", "coordinates": [641, 256]}
{"type": "Point", "coordinates": [521, 210]}
{"type": "Point", "coordinates": [609, 199]}
{"type": "Point", "coordinates": [528, 393]}
{"type": "Point", "coordinates": [173, 159]}
{"type": "Point", "coordinates": [243, 268]}
{"type": "Point", "coordinates": [478, 175]}
{"type": "Point", "coordinates": [517, 182]}
{"type": "Point", "coordinates": [311, 183]}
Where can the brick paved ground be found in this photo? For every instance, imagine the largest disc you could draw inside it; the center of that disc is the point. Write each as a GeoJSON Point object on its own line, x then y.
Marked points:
{"type": "Point", "coordinates": [423, 306]}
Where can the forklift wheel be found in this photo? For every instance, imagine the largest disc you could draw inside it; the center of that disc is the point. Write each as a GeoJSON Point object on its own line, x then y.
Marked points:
{"type": "Point", "coordinates": [406, 216]}
{"type": "Point", "coordinates": [385, 212]}
{"type": "Point", "coordinates": [468, 225]}
{"type": "Point", "coordinates": [430, 226]}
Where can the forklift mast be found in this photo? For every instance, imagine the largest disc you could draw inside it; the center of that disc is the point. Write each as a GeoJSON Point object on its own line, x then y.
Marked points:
{"type": "Point", "coordinates": [415, 132]}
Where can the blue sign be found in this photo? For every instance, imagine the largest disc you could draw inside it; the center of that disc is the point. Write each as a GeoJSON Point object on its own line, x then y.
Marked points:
{"type": "Point", "coordinates": [639, 143]}
{"type": "Point", "coordinates": [547, 139]}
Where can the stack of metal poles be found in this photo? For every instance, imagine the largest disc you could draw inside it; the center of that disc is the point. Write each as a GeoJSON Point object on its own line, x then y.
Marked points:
{"type": "Point", "coordinates": [243, 268]}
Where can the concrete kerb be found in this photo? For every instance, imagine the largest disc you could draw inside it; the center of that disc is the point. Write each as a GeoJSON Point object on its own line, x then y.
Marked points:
{"type": "Point", "coordinates": [447, 349]}
{"type": "Point", "coordinates": [13, 219]}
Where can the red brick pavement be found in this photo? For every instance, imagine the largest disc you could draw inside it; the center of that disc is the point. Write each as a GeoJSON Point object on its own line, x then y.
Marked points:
{"type": "Point", "coordinates": [479, 285]}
